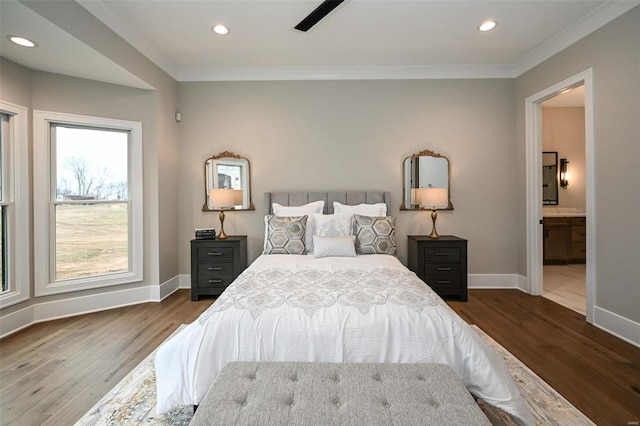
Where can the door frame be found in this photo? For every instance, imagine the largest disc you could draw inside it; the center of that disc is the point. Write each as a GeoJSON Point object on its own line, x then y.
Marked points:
{"type": "Point", "coordinates": [533, 144]}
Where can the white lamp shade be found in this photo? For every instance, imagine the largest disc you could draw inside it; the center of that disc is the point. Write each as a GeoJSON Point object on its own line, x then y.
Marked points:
{"type": "Point", "coordinates": [221, 198]}
{"type": "Point", "coordinates": [434, 197]}
{"type": "Point", "coordinates": [237, 197]}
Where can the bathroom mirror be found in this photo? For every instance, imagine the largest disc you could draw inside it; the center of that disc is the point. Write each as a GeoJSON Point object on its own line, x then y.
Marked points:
{"type": "Point", "coordinates": [425, 169]}
{"type": "Point", "coordinates": [550, 178]}
{"type": "Point", "coordinates": [230, 171]}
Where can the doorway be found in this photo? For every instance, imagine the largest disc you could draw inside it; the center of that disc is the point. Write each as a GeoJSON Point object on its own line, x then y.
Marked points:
{"type": "Point", "coordinates": [564, 199]}
{"type": "Point", "coordinates": [534, 148]}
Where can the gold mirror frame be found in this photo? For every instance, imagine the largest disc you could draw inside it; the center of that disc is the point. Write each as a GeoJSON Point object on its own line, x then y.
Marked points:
{"type": "Point", "coordinates": [406, 185]}
{"type": "Point", "coordinates": [207, 185]}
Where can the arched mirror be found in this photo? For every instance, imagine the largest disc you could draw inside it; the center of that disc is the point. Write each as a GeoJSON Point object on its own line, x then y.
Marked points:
{"type": "Point", "coordinates": [228, 171]}
{"type": "Point", "coordinates": [422, 171]}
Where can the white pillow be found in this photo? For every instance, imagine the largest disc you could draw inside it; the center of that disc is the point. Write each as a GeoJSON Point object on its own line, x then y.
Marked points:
{"type": "Point", "coordinates": [334, 246]}
{"type": "Point", "coordinates": [332, 225]}
{"type": "Point", "coordinates": [376, 210]}
{"type": "Point", "coordinates": [307, 209]}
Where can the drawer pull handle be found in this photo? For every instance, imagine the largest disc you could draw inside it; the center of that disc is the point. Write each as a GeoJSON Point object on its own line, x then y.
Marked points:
{"type": "Point", "coordinates": [443, 253]}
{"type": "Point", "coordinates": [215, 268]}
{"type": "Point", "coordinates": [214, 253]}
{"type": "Point", "coordinates": [215, 281]}
{"type": "Point", "coordinates": [443, 281]}
{"type": "Point", "coordinates": [442, 268]}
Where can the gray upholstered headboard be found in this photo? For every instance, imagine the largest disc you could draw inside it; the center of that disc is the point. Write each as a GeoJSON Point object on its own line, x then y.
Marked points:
{"type": "Point", "coordinates": [344, 197]}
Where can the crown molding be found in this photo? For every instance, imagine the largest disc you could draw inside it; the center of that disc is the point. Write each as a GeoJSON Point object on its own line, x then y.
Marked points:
{"type": "Point", "coordinates": [373, 72]}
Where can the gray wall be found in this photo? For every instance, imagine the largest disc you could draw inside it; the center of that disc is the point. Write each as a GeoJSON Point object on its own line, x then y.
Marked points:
{"type": "Point", "coordinates": [339, 135]}
{"type": "Point", "coordinates": [614, 54]}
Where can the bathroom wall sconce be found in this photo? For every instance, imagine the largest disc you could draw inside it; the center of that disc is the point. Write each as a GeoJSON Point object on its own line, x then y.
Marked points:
{"type": "Point", "coordinates": [564, 173]}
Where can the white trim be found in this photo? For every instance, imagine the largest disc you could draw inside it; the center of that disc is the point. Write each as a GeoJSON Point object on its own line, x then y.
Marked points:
{"type": "Point", "coordinates": [185, 280]}
{"type": "Point", "coordinates": [492, 281]}
{"type": "Point", "coordinates": [44, 284]}
{"type": "Point", "coordinates": [533, 124]}
{"type": "Point", "coordinates": [617, 325]}
{"type": "Point", "coordinates": [371, 72]}
{"type": "Point", "coordinates": [80, 305]}
{"type": "Point", "coordinates": [167, 288]}
{"type": "Point", "coordinates": [18, 256]}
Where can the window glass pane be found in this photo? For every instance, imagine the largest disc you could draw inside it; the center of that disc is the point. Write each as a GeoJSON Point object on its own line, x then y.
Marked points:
{"type": "Point", "coordinates": [91, 239]}
{"type": "Point", "coordinates": [91, 164]}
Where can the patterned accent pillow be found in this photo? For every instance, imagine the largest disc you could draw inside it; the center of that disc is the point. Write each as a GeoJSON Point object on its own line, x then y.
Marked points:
{"type": "Point", "coordinates": [334, 246]}
{"type": "Point", "coordinates": [284, 234]}
{"type": "Point", "coordinates": [309, 209]}
{"type": "Point", "coordinates": [332, 225]}
{"type": "Point", "coordinates": [375, 235]}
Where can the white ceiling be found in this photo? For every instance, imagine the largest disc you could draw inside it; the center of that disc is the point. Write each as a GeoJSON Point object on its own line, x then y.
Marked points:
{"type": "Point", "coordinates": [359, 39]}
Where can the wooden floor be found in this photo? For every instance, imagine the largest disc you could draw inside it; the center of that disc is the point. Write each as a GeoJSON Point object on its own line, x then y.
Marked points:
{"type": "Point", "coordinates": [52, 373]}
{"type": "Point", "coordinates": [597, 372]}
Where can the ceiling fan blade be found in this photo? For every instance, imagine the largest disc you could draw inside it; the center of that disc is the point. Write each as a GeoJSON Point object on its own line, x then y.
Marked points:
{"type": "Point", "coordinates": [321, 11]}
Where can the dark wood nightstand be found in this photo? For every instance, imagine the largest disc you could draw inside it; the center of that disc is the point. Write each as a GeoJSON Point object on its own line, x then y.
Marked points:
{"type": "Point", "coordinates": [215, 264]}
{"type": "Point", "coordinates": [441, 263]}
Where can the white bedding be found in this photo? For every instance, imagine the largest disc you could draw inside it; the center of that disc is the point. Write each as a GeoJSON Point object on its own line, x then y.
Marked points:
{"type": "Point", "coordinates": [358, 309]}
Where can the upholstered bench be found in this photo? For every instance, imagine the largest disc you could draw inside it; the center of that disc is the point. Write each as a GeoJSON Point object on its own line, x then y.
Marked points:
{"type": "Point", "coordinates": [272, 393]}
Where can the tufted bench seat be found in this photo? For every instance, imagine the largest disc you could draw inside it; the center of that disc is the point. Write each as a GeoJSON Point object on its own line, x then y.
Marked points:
{"type": "Point", "coordinates": [300, 393]}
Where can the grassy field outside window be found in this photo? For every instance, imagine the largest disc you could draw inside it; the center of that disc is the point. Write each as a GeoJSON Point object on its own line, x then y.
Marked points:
{"type": "Point", "coordinates": [91, 239]}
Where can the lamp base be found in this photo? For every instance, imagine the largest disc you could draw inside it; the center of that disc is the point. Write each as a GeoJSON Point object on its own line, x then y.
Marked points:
{"type": "Point", "coordinates": [221, 235]}
{"type": "Point", "coordinates": [434, 216]}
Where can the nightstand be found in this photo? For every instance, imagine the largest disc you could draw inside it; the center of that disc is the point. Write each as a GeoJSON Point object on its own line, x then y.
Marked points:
{"type": "Point", "coordinates": [215, 264]}
{"type": "Point", "coordinates": [441, 263]}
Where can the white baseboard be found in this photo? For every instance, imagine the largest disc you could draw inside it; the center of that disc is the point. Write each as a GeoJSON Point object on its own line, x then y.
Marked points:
{"type": "Point", "coordinates": [185, 280]}
{"type": "Point", "coordinates": [166, 288]}
{"type": "Point", "coordinates": [492, 281]}
{"type": "Point", "coordinates": [80, 305]}
{"type": "Point", "coordinates": [619, 326]}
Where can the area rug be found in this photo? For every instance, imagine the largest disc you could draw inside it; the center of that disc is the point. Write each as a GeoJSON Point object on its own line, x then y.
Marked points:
{"type": "Point", "coordinates": [132, 401]}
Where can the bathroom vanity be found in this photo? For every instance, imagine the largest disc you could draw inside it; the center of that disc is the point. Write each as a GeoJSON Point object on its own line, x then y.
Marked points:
{"type": "Point", "coordinates": [565, 236]}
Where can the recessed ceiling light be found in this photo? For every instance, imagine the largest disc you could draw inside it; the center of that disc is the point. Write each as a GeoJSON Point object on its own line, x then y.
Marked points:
{"type": "Point", "coordinates": [487, 26]}
{"type": "Point", "coordinates": [21, 41]}
{"type": "Point", "coordinates": [220, 29]}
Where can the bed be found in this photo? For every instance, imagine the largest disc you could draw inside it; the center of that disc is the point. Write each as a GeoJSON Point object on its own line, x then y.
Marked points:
{"type": "Point", "coordinates": [347, 308]}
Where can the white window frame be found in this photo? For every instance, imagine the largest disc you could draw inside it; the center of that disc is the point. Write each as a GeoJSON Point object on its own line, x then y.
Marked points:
{"type": "Point", "coordinates": [44, 201]}
{"type": "Point", "coordinates": [16, 185]}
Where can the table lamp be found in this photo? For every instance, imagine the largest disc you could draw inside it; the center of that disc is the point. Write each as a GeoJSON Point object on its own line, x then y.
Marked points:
{"type": "Point", "coordinates": [432, 198]}
{"type": "Point", "coordinates": [221, 199]}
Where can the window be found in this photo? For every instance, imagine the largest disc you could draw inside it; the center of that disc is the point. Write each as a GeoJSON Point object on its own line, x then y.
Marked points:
{"type": "Point", "coordinates": [88, 197]}
{"type": "Point", "coordinates": [14, 205]}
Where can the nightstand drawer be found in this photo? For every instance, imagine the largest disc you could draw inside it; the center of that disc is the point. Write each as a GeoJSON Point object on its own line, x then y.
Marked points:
{"type": "Point", "coordinates": [215, 269]}
{"type": "Point", "coordinates": [217, 254]}
{"type": "Point", "coordinates": [438, 281]}
{"type": "Point", "coordinates": [442, 254]}
{"type": "Point", "coordinates": [215, 282]}
{"type": "Point", "coordinates": [442, 268]}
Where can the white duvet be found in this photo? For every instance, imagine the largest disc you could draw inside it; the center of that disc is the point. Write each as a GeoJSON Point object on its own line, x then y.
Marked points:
{"type": "Point", "coordinates": [298, 308]}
